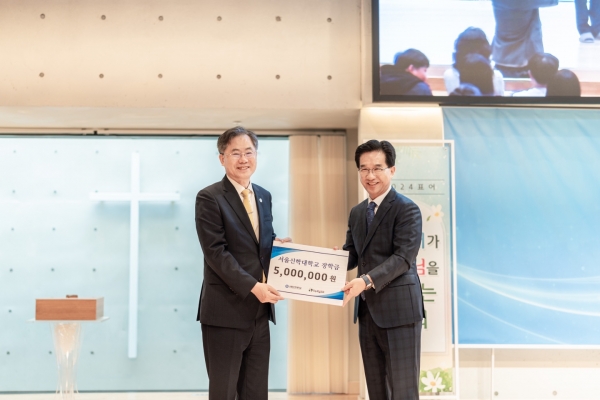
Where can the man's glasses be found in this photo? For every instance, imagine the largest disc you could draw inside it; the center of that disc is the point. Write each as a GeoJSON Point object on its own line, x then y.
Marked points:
{"type": "Point", "coordinates": [237, 155]}
{"type": "Point", "coordinates": [375, 171]}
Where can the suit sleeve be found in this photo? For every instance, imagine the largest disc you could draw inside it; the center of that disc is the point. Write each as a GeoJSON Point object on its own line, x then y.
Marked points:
{"type": "Point", "coordinates": [211, 233]}
{"type": "Point", "coordinates": [407, 239]}
{"type": "Point", "coordinates": [349, 246]}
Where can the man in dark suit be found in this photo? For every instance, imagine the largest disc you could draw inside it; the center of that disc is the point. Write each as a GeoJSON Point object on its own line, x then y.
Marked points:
{"type": "Point", "coordinates": [383, 238]}
{"type": "Point", "coordinates": [234, 225]}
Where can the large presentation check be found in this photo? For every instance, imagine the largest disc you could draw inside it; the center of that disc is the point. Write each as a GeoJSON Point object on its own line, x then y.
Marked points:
{"type": "Point", "coordinates": [308, 273]}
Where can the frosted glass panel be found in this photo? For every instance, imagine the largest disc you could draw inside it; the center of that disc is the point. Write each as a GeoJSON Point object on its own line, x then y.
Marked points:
{"type": "Point", "coordinates": [55, 241]}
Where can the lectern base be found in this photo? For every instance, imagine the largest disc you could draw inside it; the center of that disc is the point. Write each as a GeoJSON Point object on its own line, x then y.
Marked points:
{"type": "Point", "coordinates": [67, 344]}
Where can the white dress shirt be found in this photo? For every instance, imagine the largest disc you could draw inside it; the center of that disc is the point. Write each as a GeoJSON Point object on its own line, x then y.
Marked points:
{"type": "Point", "coordinates": [533, 92]}
{"type": "Point", "coordinates": [254, 215]}
{"type": "Point", "coordinates": [379, 199]}
{"type": "Point", "coordinates": [452, 81]}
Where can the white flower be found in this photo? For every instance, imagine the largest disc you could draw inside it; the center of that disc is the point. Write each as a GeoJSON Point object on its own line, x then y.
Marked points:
{"type": "Point", "coordinates": [433, 383]}
{"type": "Point", "coordinates": [436, 213]}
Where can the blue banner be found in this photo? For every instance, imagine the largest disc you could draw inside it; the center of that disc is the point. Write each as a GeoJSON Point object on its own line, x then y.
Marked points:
{"type": "Point", "coordinates": [528, 218]}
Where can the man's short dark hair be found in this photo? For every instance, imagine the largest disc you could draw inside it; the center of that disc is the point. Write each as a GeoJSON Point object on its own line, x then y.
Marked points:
{"type": "Point", "coordinates": [229, 134]}
{"type": "Point", "coordinates": [477, 71]}
{"type": "Point", "coordinates": [564, 83]}
{"type": "Point", "coordinates": [375, 145]}
{"type": "Point", "coordinates": [409, 57]}
{"type": "Point", "coordinates": [543, 67]}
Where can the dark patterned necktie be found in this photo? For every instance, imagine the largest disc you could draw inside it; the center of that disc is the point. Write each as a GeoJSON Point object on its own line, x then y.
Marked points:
{"type": "Point", "coordinates": [370, 213]}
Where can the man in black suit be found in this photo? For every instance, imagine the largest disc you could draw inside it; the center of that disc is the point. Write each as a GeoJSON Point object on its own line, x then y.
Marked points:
{"type": "Point", "coordinates": [234, 225]}
{"type": "Point", "coordinates": [383, 238]}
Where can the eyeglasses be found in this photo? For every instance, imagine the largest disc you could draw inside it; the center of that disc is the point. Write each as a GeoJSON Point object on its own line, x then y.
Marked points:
{"type": "Point", "coordinates": [375, 171]}
{"type": "Point", "coordinates": [237, 155]}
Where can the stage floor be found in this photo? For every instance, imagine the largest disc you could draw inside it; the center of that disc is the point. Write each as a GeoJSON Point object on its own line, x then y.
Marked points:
{"type": "Point", "coordinates": [168, 396]}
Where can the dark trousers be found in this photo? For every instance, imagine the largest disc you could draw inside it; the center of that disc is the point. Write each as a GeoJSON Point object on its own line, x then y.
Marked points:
{"type": "Point", "coordinates": [391, 358]}
{"type": "Point", "coordinates": [518, 37]}
{"type": "Point", "coordinates": [237, 360]}
{"type": "Point", "coordinates": [583, 15]}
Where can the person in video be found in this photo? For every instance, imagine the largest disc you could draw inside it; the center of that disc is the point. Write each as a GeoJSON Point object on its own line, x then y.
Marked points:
{"type": "Point", "coordinates": [471, 41]}
{"type": "Point", "coordinates": [542, 68]}
{"type": "Point", "coordinates": [477, 71]}
{"type": "Point", "coordinates": [584, 16]}
{"type": "Point", "coordinates": [466, 89]}
{"type": "Point", "coordinates": [518, 34]}
{"type": "Point", "coordinates": [407, 76]}
{"type": "Point", "coordinates": [564, 83]}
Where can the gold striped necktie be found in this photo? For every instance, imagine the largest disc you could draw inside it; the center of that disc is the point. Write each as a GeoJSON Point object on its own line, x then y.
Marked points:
{"type": "Point", "coordinates": [248, 207]}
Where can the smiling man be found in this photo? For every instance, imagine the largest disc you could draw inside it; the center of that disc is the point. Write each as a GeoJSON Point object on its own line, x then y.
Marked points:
{"type": "Point", "coordinates": [234, 225]}
{"type": "Point", "coordinates": [383, 238]}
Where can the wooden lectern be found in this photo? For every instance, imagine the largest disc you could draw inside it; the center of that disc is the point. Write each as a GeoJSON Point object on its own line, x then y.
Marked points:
{"type": "Point", "coordinates": [71, 308]}
{"type": "Point", "coordinates": [66, 316]}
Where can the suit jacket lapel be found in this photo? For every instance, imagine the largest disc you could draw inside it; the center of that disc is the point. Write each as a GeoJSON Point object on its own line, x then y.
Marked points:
{"type": "Point", "coordinates": [233, 198]}
{"type": "Point", "coordinates": [383, 208]}
{"type": "Point", "coordinates": [261, 206]}
{"type": "Point", "coordinates": [361, 227]}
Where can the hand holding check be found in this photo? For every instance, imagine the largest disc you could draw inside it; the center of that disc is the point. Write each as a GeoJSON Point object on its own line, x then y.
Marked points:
{"type": "Point", "coordinates": [266, 293]}
{"type": "Point", "coordinates": [353, 288]}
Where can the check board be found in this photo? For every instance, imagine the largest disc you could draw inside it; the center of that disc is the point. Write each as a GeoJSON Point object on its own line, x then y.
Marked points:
{"type": "Point", "coordinates": [308, 273]}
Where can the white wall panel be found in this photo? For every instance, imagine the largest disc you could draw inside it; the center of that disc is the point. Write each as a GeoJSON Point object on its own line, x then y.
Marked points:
{"type": "Point", "coordinates": [248, 47]}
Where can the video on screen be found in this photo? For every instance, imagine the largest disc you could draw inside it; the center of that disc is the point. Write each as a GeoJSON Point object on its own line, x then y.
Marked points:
{"type": "Point", "coordinates": [505, 49]}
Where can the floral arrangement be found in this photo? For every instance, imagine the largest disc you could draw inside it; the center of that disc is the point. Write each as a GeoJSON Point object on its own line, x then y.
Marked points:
{"type": "Point", "coordinates": [436, 213]}
{"type": "Point", "coordinates": [435, 381]}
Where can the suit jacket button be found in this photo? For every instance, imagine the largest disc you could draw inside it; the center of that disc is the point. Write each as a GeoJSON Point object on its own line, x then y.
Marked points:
{"type": "Point", "coordinates": [364, 263]}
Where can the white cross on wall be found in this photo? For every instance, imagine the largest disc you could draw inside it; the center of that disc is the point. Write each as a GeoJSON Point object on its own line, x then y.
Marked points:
{"type": "Point", "coordinates": [134, 197]}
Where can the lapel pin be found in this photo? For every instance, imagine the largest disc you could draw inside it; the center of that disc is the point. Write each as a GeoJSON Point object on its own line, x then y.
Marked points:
{"type": "Point", "coordinates": [260, 200]}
